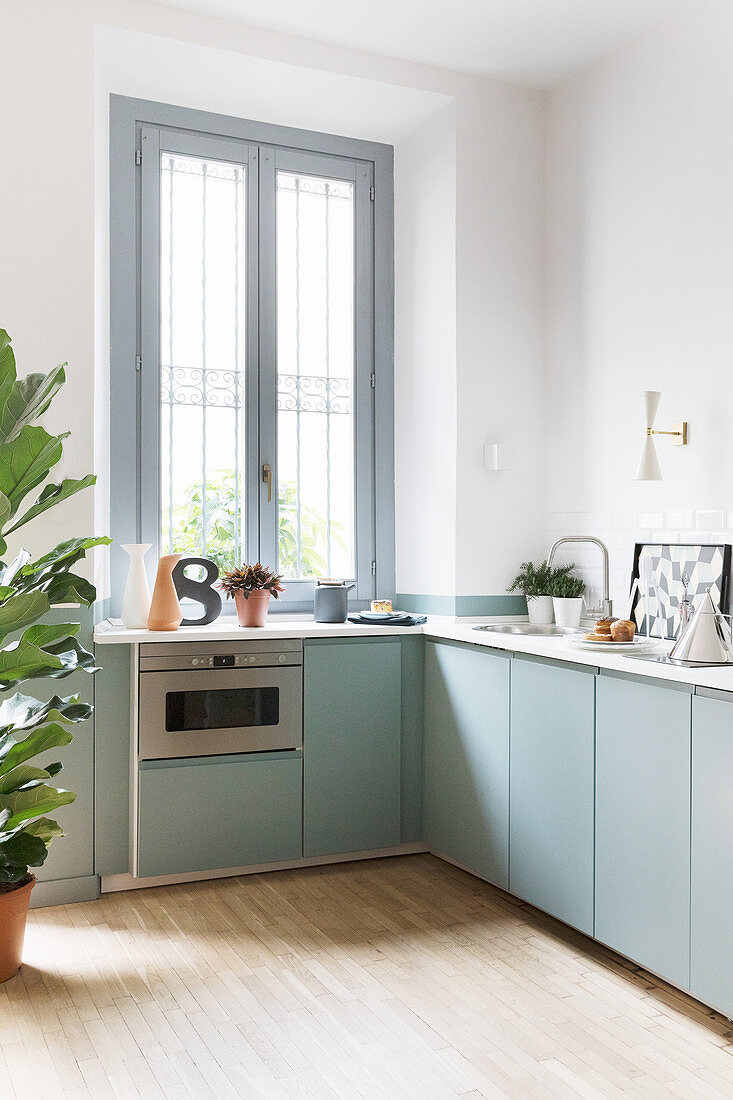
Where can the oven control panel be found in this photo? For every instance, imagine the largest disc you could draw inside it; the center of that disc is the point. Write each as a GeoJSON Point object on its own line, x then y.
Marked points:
{"type": "Point", "coordinates": [242, 660]}
{"type": "Point", "coordinates": [220, 656]}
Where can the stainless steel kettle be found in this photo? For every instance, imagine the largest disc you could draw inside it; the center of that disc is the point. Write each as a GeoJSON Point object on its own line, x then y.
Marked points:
{"type": "Point", "coordinates": [331, 601]}
{"type": "Point", "coordinates": [706, 640]}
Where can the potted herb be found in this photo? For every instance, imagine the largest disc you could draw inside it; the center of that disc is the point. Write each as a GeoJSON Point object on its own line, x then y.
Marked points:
{"type": "Point", "coordinates": [31, 649]}
{"type": "Point", "coordinates": [535, 584]}
{"type": "Point", "coordinates": [251, 587]}
{"type": "Point", "coordinates": [567, 597]}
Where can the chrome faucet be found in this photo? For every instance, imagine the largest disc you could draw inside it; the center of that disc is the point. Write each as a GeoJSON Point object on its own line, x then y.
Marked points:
{"type": "Point", "coordinates": [605, 610]}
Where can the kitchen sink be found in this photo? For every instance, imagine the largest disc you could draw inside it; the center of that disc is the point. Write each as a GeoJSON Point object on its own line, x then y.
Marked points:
{"type": "Point", "coordinates": [529, 630]}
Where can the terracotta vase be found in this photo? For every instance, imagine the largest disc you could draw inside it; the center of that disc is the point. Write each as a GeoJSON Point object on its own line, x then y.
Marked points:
{"type": "Point", "coordinates": [13, 914]}
{"type": "Point", "coordinates": [253, 610]}
{"type": "Point", "coordinates": [165, 610]}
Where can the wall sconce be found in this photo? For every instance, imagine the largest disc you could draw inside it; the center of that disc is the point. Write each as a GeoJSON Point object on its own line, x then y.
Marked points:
{"type": "Point", "coordinates": [649, 468]}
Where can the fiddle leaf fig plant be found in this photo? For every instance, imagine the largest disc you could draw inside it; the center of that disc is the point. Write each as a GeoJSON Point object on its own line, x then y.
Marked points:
{"type": "Point", "coordinates": [30, 648]}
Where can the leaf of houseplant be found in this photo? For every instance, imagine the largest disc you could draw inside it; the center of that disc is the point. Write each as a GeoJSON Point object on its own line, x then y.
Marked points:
{"type": "Point", "coordinates": [44, 828]}
{"type": "Point", "coordinates": [26, 461]}
{"type": "Point", "coordinates": [13, 752]}
{"type": "Point", "coordinates": [22, 610]}
{"type": "Point", "coordinates": [64, 555]}
{"type": "Point", "coordinates": [52, 495]}
{"type": "Point", "coordinates": [7, 367]}
{"type": "Point", "coordinates": [25, 659]}
{"type": "Point", "coordinates": [72, 656]}
{"type": "Point", "coordinates": [19, 852]}
{"type": "Point", "coordinates": [21, 712]}
{"type": "Point", "coordinates": [20, 777]}
{"type": "Point", "coordinates": [69, 588]}
{"type": "Point", "coordinates": [29, 397]}
{"type": "Point", "coordinates": [29, 804]}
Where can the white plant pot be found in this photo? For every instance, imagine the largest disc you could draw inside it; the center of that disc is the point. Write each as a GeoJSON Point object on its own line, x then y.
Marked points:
{"type": "Point", "coordinates": [136, 600]}
{"type": "Point", "coordinates": [568, 611]}
{"type": "Point", "coordinates": [540, 610]}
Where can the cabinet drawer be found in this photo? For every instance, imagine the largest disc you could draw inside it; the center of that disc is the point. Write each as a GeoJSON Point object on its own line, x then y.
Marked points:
{"type": "Point", "coordinates": [198, 815]}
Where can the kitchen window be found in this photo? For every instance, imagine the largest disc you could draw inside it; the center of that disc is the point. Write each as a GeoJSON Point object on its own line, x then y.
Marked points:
{"type": "Point", "coordinates": [263, 368]}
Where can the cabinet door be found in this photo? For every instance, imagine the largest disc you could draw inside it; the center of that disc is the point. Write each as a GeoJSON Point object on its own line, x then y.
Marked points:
{"type": "Point", "coordinates": [204, 813]}
{"type": "Point", "coordinates": [466, 722]}
{"type": "Point", "coordinates": [351, 746]}
{"type": "Point", "coordinates": [711, 964]}
{"type": "Point", "coordinates": [643, 823]}
{"type": "Point", "coordinates": [551, 790]}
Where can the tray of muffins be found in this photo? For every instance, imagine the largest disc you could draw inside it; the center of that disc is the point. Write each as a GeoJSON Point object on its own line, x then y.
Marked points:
{"type": "Point", "coordinates": [616, 634]}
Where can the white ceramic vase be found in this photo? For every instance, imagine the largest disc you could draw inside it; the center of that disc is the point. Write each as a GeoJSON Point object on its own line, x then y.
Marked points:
{"type": "Point", "coordinates": [539, 609]}
{"type": "Point", "coordinates": [136, 600]}
{"type": "Point", "coordinates": [568, 611]}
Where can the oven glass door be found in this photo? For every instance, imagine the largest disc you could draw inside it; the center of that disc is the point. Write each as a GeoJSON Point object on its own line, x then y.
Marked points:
{"type": "Point", "coordinates": [214, 711]}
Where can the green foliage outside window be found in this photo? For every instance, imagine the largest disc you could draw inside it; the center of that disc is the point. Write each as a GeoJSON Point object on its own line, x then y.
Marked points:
{"type": "Point", "coordinates": [221, 526]}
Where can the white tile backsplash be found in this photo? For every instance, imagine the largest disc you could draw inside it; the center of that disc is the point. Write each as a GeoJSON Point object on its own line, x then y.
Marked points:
{"type": "Point", "coordinates": [710, 520]}
{"type": "Point", "coordinates": [683, 520]}
{"type": "Point", "coordinates": [621, 530]}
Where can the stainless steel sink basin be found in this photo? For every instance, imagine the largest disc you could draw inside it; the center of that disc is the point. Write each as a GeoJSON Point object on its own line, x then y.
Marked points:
{"type": "Point", "coordinates": [529, 630]}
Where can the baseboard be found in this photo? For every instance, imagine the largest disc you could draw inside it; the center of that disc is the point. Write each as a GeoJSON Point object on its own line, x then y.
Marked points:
{"type": "Point", "coordinates": [64, 891]}
{"type": "Point", "coordinates": [113, 883]}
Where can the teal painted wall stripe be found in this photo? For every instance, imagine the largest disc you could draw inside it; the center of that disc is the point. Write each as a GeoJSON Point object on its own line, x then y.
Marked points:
{"type": "Point", "coordinates": [461, 605]}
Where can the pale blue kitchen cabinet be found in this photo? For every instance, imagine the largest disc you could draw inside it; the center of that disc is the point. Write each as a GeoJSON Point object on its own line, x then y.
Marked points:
{"type": "Point", "coordinates": [643, 733]}
{"type": "Point", "coordinates": [352, 745]}
{"type": "Point", "coordinates": [711, 913]}
{"type": "Point", "coordinates": [203, 813]}
{"type": "Point", "coordinates": [466, 729]}
{"type": "Point", "coordinates": [551, 788]}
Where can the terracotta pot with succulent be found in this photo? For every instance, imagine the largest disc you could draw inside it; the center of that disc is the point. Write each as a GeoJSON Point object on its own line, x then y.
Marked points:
{"type": "Point", "coordinates": [29, 727]}
{"type": "Point", "coordinates": [251, 587]}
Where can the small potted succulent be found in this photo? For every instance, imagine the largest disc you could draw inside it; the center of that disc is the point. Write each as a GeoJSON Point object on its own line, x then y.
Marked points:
{"type": "Point", "coordinates": [535, 584]}
{"type": "Point", "coordinates": [251, 587]}
{"type": "Point", "coordinates": [567, 597]}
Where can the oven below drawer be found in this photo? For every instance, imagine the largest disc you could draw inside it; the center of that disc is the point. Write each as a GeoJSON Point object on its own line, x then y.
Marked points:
{"type": "Point", "coordinates": [202, 814]}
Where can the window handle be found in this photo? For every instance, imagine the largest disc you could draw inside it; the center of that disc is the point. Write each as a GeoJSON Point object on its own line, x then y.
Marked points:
{"type": "Point", "coordinates": [267, 479]}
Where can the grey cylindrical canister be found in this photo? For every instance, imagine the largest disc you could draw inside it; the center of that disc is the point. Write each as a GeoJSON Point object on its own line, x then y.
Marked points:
{"type": "Point", "coordinates": [331, 602]}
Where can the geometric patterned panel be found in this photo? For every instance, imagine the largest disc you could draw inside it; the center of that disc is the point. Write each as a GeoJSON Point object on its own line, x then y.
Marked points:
{"type": "Point", "coordinates": [708, 566]}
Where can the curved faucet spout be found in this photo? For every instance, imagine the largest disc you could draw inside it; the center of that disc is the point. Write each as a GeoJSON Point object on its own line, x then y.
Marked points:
{"type": "Point", "coordinates": [606, 607]}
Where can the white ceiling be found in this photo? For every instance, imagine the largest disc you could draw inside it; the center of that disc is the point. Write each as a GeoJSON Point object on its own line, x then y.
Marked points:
{"type": "Point", "coordinates": [537, 41]}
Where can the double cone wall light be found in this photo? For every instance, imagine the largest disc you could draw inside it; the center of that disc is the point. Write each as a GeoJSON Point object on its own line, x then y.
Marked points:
{"type": "Point", "coordinates": [649, 468]}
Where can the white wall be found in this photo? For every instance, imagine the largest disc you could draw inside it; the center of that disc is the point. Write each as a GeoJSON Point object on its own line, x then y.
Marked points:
{"type": "Point", "coordinates": [425, 356]}
{"type": "Point", "coordinates": [46, 229]}
{"type": "Point", "coordinates": [640, 288]}
{"type": "Point", "coordinates": [500, 307]}
{"type": "Point", "coordinates": [53, 203]}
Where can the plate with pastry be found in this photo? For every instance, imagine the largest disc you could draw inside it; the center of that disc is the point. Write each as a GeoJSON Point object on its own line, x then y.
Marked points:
{"type": "Point", "coordinates": [611, 633]}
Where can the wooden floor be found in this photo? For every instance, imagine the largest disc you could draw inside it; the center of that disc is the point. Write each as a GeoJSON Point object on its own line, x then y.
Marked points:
{"type": "Point", "coordinates": [390, 978]}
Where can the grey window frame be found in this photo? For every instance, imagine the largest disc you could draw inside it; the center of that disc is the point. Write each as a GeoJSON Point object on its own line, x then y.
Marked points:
{"type": "Point", "coordinates": [133, 390]}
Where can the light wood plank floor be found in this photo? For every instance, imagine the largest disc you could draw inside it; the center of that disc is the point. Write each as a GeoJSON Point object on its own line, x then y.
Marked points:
{"type": "Point", "coordinates": [399, 978]}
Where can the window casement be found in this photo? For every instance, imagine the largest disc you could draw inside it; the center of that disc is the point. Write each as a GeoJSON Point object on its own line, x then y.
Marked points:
{"type": "Point", "coordinates": [259, 259]}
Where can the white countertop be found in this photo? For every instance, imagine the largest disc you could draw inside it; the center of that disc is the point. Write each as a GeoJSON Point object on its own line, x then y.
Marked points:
{"type": "Point", "coordinates": [437, 626]}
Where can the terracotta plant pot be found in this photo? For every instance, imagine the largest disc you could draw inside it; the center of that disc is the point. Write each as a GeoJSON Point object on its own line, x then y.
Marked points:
{"type": "Point", "coordinates": [253, 610]}
{"type": "Point", "coordinates": [13, 914]}
{"type": "Point", "coordinates": [165, 610]}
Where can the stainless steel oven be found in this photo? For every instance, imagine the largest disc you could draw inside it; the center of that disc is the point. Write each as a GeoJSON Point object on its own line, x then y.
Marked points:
{"type": "Point", "coordinates": [211, 698]}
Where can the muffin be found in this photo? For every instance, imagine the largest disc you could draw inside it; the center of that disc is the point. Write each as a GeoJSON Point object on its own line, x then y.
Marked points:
{"type": "Point", "coordinates": [623, 630]}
